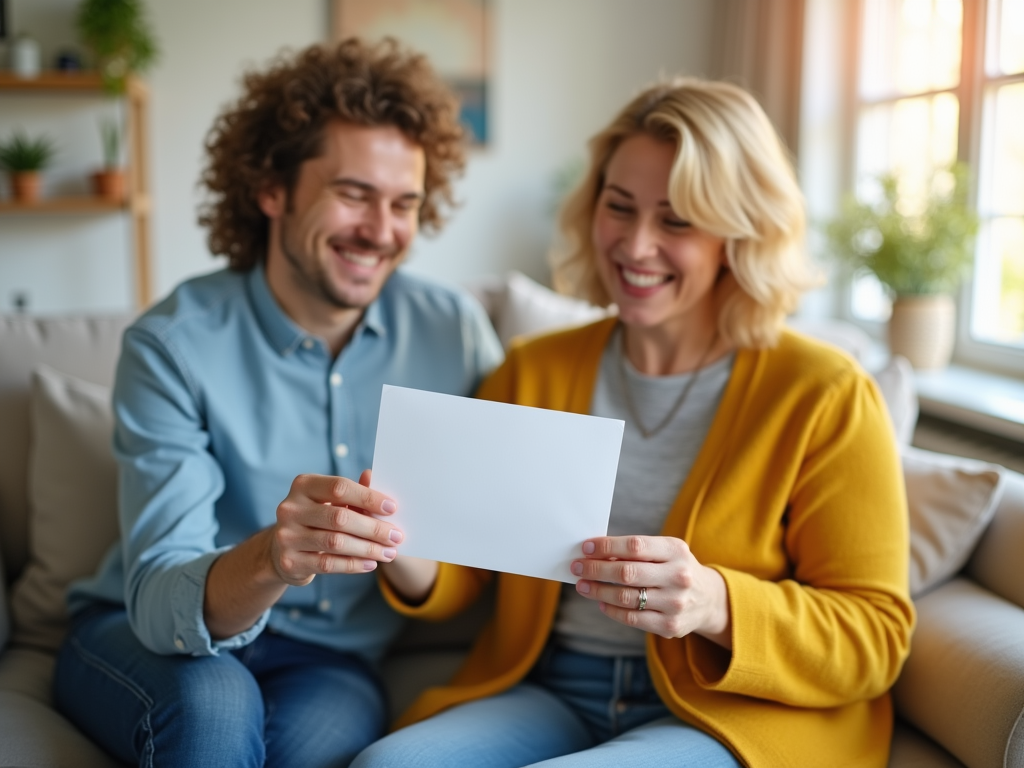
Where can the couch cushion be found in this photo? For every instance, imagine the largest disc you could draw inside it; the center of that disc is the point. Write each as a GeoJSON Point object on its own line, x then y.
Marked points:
{"type": "Point", "coordinates": [86, 347]}
{"type": "Point", "coordinates": [912, 749]}
{"type": "Point", "coordinates": [73, 500]}
{"type": "Point", "coordinates": [964, 681]}
{"type": "Point", "coordinates": [998, 560]}
{"type": "Point", "coordinates": [951, 500]}
{"type": "Point", "coordinates": [5, 615]}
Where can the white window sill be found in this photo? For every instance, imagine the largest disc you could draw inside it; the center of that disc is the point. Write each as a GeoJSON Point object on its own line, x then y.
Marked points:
{"type": "Point", "coordinates": [984, 401]}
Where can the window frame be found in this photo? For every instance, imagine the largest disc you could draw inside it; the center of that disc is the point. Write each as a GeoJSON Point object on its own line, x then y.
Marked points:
{"type": "Point", "coordinates": [970, 92]}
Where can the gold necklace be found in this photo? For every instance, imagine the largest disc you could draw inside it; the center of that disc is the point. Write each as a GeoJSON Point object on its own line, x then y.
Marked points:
{"type": "Point", "coordinates": [648, 433]}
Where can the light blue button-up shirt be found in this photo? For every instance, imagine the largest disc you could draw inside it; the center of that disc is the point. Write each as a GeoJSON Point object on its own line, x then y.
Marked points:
{"type": "Point", "coordinates": [220, 401]}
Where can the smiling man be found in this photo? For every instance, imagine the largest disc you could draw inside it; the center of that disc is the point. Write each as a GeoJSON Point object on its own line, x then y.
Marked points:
{"type": "Point", "coordinates": [238, 621]}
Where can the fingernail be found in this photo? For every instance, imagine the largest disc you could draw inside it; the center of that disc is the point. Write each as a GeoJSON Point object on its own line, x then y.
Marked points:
{"type": "Point", "coordinates": [389, 506]}
{"type": "Point", "coordinates": [369, 565]}
{"type": "Point", "coordinates": [588, 547]}
{"type": "Point", "coordinates": [583, 587]}
{"type": "Point", "coordinates": [396, 535]}
{"type": "Point", "coordinates": [603, 607]}
{"type": "Point", "coordinates": [390, 553]}
{"type": "Point", "coordinates": [577, 569]}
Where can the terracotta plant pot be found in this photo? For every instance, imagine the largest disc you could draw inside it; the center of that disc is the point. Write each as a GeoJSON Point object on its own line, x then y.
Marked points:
{"type": "Point", "coordinates": [109, 184]}
{"type": "Point", "coordinates": [26, 186]}
{"type": "Point", "coordinates": [922, 329]}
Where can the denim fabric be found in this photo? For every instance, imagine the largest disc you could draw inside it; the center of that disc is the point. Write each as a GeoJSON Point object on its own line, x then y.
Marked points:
{"type": "Point", "coordinates": [574, 710]}
{"type": "Point", "coordinates": [276, 702]}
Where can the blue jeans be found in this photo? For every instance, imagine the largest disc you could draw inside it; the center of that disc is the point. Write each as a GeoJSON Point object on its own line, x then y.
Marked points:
{"type": "Point", "coordinates": [275, 702]}
{"type": "Point", "coordinates": [574, 711]}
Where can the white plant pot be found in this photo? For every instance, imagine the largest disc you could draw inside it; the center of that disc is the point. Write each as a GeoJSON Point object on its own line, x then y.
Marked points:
{"type": "Point", "coordinates": [922, 329]}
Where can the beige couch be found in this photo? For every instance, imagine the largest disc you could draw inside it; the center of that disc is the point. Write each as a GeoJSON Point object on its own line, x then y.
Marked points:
{"type": "Point", "coordinates": [960, 699]}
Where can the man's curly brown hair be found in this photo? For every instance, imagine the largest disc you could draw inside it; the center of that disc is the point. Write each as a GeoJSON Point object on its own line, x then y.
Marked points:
{"type": "Point", "coordinates": [262, 139]}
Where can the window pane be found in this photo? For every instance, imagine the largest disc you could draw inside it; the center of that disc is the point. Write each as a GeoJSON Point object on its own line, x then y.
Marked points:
{"type": "Point", "coordinates": [999, 283]}
{"type": "Point", "coordinates": [869, 300]}
{"type": "Point", "coordinates": [910, 46]}
{"type": "Point", "coordinates": [1004, 194]}
{"type": "Point", "coordinates": [1006, 52]}
{"type": "Point", "coordinates": [911, 138]}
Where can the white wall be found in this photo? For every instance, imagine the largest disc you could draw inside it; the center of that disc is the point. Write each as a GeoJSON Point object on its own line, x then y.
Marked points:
{"type": "Point", "coordinates": [561, 69]}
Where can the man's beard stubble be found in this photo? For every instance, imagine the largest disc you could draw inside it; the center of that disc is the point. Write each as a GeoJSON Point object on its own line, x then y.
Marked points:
{"type": "Point", "coordinates": [310, 273]}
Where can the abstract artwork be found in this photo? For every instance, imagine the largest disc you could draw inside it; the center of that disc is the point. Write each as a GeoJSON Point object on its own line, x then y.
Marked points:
{"type": "Point", "coordinates": [452, 33]}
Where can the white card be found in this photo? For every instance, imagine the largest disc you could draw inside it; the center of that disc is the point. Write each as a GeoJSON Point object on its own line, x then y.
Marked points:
{"type": "Point", "coordinates": [491, 485]}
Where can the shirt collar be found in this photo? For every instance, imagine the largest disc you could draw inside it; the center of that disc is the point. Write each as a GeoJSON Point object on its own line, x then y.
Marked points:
{"type": "Point", "coordinates": [283, 333]}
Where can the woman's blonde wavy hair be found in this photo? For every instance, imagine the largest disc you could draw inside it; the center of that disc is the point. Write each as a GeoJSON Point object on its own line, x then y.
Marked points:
{"type": "Point", "coordinates": [731, 177]}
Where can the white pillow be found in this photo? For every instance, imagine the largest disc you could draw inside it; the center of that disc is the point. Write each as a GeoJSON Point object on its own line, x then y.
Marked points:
{"type": "Point", "coordinates": [72, 500]}
{"type": "Point", "coordinates": [530, 308]}
{"type": "Point", "coordinates": [896, 383]}
{"type": "Point", "coordinates": [951, 501]}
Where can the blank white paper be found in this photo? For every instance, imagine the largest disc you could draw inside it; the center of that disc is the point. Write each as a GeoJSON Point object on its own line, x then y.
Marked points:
{"type": "Point", "coordinates": [491, 485]}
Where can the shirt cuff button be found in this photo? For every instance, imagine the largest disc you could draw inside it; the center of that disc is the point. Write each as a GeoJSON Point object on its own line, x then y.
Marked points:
{"type": "Point", "coordinates": [179, 644]}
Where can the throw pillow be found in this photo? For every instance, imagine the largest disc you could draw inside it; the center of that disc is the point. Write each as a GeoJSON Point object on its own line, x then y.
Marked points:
{"type": "Point", "coordinates": [896, 382]}
{"type": "Point", "coordinates": [530, 308]}
{"type": "Point", "coordinates": [951, 501]}
{"type": "Point", "coordinates": [72, 500]}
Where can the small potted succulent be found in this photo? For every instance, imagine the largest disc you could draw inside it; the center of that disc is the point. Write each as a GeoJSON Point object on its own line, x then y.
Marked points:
{"type": "Point", "coordinates": [108, 182]}
{"type": "Point", "coordinates": [119, 36]}
{"type": "Point", "coordinates": [24, 158]}
{"type": "Point", "coordinates": [920, 256]}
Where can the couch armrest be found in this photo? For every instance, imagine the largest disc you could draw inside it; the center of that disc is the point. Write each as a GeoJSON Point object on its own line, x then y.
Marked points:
{"type": "Point", "coordinates": [963, 684]}
{"type": "Point", "coordinates": [998, 561]}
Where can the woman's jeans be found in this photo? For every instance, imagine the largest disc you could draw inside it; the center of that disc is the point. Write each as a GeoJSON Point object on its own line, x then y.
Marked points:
{"type": "Point", "coordinates": [574, 711]}
{"type": "Point", "coordinates": [275, 702]}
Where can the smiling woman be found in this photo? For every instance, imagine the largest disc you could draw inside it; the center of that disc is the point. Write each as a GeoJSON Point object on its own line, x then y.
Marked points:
{"type": "Point", "coordinates": [750, 602]}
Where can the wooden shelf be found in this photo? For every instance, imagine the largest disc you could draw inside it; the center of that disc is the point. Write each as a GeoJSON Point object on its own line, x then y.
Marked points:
{"type": "Point", "coordinates": [137, 204]}
{"type": "Point", "coordinates": [83, 204]}
{"type": "Point", "coordinates": [53, 80]}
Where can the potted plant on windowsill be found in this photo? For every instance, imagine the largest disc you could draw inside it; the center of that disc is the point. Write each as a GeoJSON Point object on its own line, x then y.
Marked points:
{"type": "Point", "coordinates": [108, 182]}
{"type": "Point", "coordinates": [920, 253]}
{"type": "Point", "coordinates": [24, 158]}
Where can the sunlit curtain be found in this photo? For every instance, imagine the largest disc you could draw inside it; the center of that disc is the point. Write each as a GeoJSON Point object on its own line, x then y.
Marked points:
{"type": "Point", "coordinates": [760, 47]}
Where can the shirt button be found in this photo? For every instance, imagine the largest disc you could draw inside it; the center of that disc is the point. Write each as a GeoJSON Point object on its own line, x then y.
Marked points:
{"type": "Point", "coordinates": [621, 707]}
{"type": "Point", "coordinates": [308, 344]}
{"type": "Point", "coordinates": [325, 606]}
{"type": "Point", "coordinates": [335, 379]}
{"type": "Point", "coordinates": [294, 614]}
{"type": "Point", "coordinates": [179, 644]}
{"type": "Point", "coordinates": [341, 450]}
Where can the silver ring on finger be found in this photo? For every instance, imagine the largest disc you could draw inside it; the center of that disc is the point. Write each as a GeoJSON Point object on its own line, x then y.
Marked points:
{"type": "Point", "coordinates": [642, 602]}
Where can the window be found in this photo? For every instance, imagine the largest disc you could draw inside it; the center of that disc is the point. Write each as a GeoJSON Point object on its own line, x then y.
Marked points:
{"type": "Point", "coordinates": [939, 80]}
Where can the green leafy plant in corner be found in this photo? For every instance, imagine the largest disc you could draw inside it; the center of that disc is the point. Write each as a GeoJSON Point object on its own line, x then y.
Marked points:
{"type": "Point", "coordinates": [120, 36]}
{"type": "Point", "coordinates": [21, 153]}
{"type": "Point", "coordinates": [921, 253]}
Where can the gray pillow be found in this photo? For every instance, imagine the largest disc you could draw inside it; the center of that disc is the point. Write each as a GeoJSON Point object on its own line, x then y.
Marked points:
{"type": "Point", "coordinates": [72, 500]}
{"type": "Point", "coordinates": [951, 501]}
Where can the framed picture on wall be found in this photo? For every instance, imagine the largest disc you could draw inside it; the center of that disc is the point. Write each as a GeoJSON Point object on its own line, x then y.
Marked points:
{"type": "Point", "coordinates": [452, 33]}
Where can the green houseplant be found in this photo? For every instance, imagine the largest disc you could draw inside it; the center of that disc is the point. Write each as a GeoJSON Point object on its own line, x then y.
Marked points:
{"type": "Point", "coordinates": [920, 252]}
{"type": "Point", "coordinates": [24, 158]}
{"type": "Point", "coordinates": [108, 182]}
{"type": "Point", "coordinates": [119, 36]}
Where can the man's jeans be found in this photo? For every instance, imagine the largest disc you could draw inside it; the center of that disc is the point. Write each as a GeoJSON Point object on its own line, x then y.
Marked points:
{"type": "Point", "coordinates": [275, 702]}
{"type": "Point", "coordinates": [574, 711]}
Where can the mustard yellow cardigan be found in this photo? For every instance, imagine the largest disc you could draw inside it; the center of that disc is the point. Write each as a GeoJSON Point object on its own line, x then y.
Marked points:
{"type": "Point", "coordinates": [797, 499]}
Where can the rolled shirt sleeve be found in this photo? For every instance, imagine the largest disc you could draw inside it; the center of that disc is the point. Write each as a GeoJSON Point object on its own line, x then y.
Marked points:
{"type": "Point", "coordinates": [169, 483]}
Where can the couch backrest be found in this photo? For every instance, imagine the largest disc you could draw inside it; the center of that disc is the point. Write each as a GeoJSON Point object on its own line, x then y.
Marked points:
{"type": "Point", "coordinates": [83, 346]}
